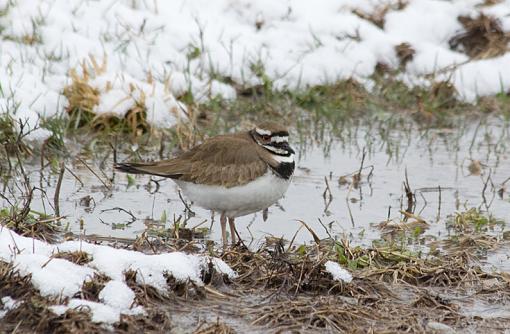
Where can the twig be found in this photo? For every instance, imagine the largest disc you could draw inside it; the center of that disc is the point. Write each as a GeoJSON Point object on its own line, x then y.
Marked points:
{"type": "Point", "coordinates": [327, 195]}
{"type": "Point", "coordinates": [327, 191]}
{"type": "Point", "coordinates": [75, 176]}
{"type": "Point", "coordinates": [93, 172]}
{"type": "Point", "coordinates": [357, 177]}
{"type": "Point", "coordinates": [439, 205]}
{"type": "Point", "coordinates": [325, 229]}
{"type": "Point", "coordinates": [133, 217]}
{"type": "Point", "coordinates": [409, 194]}
{"type": "Point", "coordinates": [56, 197]}
{"type": "Point", "coordinates": [314, 235]}
{"type": "Point", "coordinates": [348, 205]}
{"type": "Point", "coordinates": [114, 149]}
{"type": "Point", "coordinates": [489, 179]}
{"type": "Point", "coordinates": [504, 182]}
{"type": "Point", "coordinates": [294, 238]}
{"type": "Point", "coordinates": [185, 204]}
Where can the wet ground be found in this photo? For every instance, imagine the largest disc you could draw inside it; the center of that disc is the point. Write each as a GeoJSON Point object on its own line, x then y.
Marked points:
{"type": "Point", "coordinates": [447, 170]}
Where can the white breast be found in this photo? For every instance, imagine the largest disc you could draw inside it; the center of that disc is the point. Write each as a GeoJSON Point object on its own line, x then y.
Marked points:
{"type": "Point", "coordinates": [257, 195]}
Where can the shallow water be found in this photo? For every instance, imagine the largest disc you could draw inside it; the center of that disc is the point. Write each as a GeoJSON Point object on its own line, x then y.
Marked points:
{"type": "Point", "coordinates": [432, 158]}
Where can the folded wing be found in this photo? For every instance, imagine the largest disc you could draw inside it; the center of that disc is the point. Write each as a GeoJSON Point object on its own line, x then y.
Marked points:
{"type": "Point", "coordinates": [224, 160]}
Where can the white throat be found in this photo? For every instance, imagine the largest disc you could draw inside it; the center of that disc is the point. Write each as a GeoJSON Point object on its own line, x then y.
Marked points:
{"type": "Point", "coordinates": [281, 158]}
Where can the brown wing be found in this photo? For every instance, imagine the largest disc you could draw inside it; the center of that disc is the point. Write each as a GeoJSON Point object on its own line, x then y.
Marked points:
{"type": "Point", "coordinates": [223, 160]}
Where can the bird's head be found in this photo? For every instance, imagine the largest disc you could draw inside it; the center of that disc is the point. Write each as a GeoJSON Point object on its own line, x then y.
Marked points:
{"type": "Point", "coordinates": [273, 137]}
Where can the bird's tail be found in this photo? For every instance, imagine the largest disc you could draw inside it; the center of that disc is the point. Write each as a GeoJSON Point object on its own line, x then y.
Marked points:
{"type": "Point", "coordinates": [162, 168]}
{"type": "Point", "coordinates": [130, 167]}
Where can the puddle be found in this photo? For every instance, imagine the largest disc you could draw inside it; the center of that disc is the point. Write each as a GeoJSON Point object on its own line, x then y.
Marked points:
{"type": "Point", "coordinates": [498, 259]}
{"type": "Point", "coordinates": [433, 158]}
{"type": "Point", "coordinates": [484, 309]}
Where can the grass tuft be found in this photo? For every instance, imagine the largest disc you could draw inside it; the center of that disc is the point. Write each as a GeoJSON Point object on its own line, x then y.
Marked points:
{"type": "Point", "coordinates": [483, 37]}
{"type": "Point", "coordinates": [82, 98]}
{"type": "Point", "coordinates": [29, 224]}
{"type": "Point", "coordinates": [77, 257]}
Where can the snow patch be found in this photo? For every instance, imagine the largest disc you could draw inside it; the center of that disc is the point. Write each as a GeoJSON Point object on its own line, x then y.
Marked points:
{"type": "Point", "coordinates": [136, 50]}
{"type": "Point", "coordinates": [338, 273]}
{"type": "Point", "coordinates": [58, 277]}
{"type": "Point", "coordinates": [9, 304]}
{"type": "Point", "coordinates": [117, 294]}
{"type": "Point", "coordinates": [100, 313]}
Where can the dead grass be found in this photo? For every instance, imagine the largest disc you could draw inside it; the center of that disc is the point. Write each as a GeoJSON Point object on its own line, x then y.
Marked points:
{"type": "Point", "coordinates": [157, 320]}
{"type": "Point", "coordinates": [215, 328]}
{"type": "Point", "coordinates": [78, 257]}
{"type": "Point", "coordinates": [286, 288]}
{"type": "Point", "coordinates": [453, 271]}
{"type": "Point", "coordinates": [393, 292]}
{"type": "Point", "coordinates": [32, 313]}
{"type": "Point", "coordinates": [136, 117]}
{"type": "Point", "coordinates": [377, 17]}
{"type": "Point", "coordinates": [405, 53]}
{"type": "Point", "coordinates": [11, 138]}
{"type": "Point", "coordinates": [473, 221]}
{"type": "Point", "coordinates": [82, 98]}
{"type": "Point", "coordinates": [28, 224]}
{"type": "Point", "coordinates": [483, 37]}
{"type": "Point", "coordinates": [91, 288]}
{"type": "Point", "coordinates": [372, 314]}
{"type": "Point", "coordinates": [302, 270]}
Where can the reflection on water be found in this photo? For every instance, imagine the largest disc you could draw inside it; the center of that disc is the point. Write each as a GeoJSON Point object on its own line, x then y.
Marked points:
{"type": "Point", "coordinates": [447, 170]}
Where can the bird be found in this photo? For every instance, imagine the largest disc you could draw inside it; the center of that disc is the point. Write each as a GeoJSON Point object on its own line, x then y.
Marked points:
{"type": "Point", "coordinates": [232, 174]}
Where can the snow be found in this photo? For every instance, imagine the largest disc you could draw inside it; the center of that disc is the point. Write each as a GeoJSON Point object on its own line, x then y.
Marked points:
{"type": "Point", "coordinates": [156, 50]}
{"type": "Point", "coordinates": [117, 294]}
{"type": "Point", "coordinates": [101, 313]}
{"type": "Point", "coordinates": [57, 277]}
{"type": "Point", "coordinates": [8, 304]}
{"type": "Point", "coordinates": [338, 273]}
{"type": "Point", "coordinates": [52, 277]}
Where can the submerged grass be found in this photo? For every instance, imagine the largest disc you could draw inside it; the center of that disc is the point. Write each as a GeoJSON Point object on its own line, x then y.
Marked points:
{"type": "Point", "coordinates": [473, 221]}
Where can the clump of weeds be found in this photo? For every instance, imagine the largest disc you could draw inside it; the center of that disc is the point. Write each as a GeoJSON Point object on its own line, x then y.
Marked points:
{"type": "Point", "coordinates": [483, 37]}
{"type": "Point", "coordinates": [83, 97]}
{"type": "Point", "coordinates": [31, 312]}
{"type": "Point", "coordinates": [473, 221]}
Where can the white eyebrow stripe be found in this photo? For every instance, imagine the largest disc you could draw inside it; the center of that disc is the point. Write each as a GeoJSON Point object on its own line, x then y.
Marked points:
{"type": "Point", "coordinates": [281, 159]}
{"type": "Point", "coordinates": [263, 132]}
{"type": "Point", "coordinates": [280, 139]}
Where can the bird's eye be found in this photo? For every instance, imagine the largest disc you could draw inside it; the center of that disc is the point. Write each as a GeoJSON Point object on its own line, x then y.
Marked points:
{"type": "Point", "coordinates": [266, 137]}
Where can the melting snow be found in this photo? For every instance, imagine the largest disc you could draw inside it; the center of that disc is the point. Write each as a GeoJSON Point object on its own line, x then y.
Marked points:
{"type": "Point", "coordinates": [59, 277]}
{"type": "Point", "coordinates": [9, 304]}
{"type": "Point", "coordinates": [338, 273]}
{"type": "Point", "coordinates": [156, 50]}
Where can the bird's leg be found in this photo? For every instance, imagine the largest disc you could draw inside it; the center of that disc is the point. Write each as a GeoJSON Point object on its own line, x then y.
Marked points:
{"type": "Point", "coordinates": [223, 221]}
{"type": "Point", "coordinates": [232, 230]}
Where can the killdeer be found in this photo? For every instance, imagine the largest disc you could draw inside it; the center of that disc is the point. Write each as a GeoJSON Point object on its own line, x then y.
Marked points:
{"type": "Point", "coordinates": [235, 174]}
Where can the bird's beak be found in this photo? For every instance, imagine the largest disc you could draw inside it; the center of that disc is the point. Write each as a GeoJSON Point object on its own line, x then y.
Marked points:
{"type": "Point", "coordinates": [285, 146]}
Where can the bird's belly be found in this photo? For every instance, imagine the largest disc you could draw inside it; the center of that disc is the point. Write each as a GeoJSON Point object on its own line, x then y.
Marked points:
{"type": "Point", "coordinates": [237, 201]}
